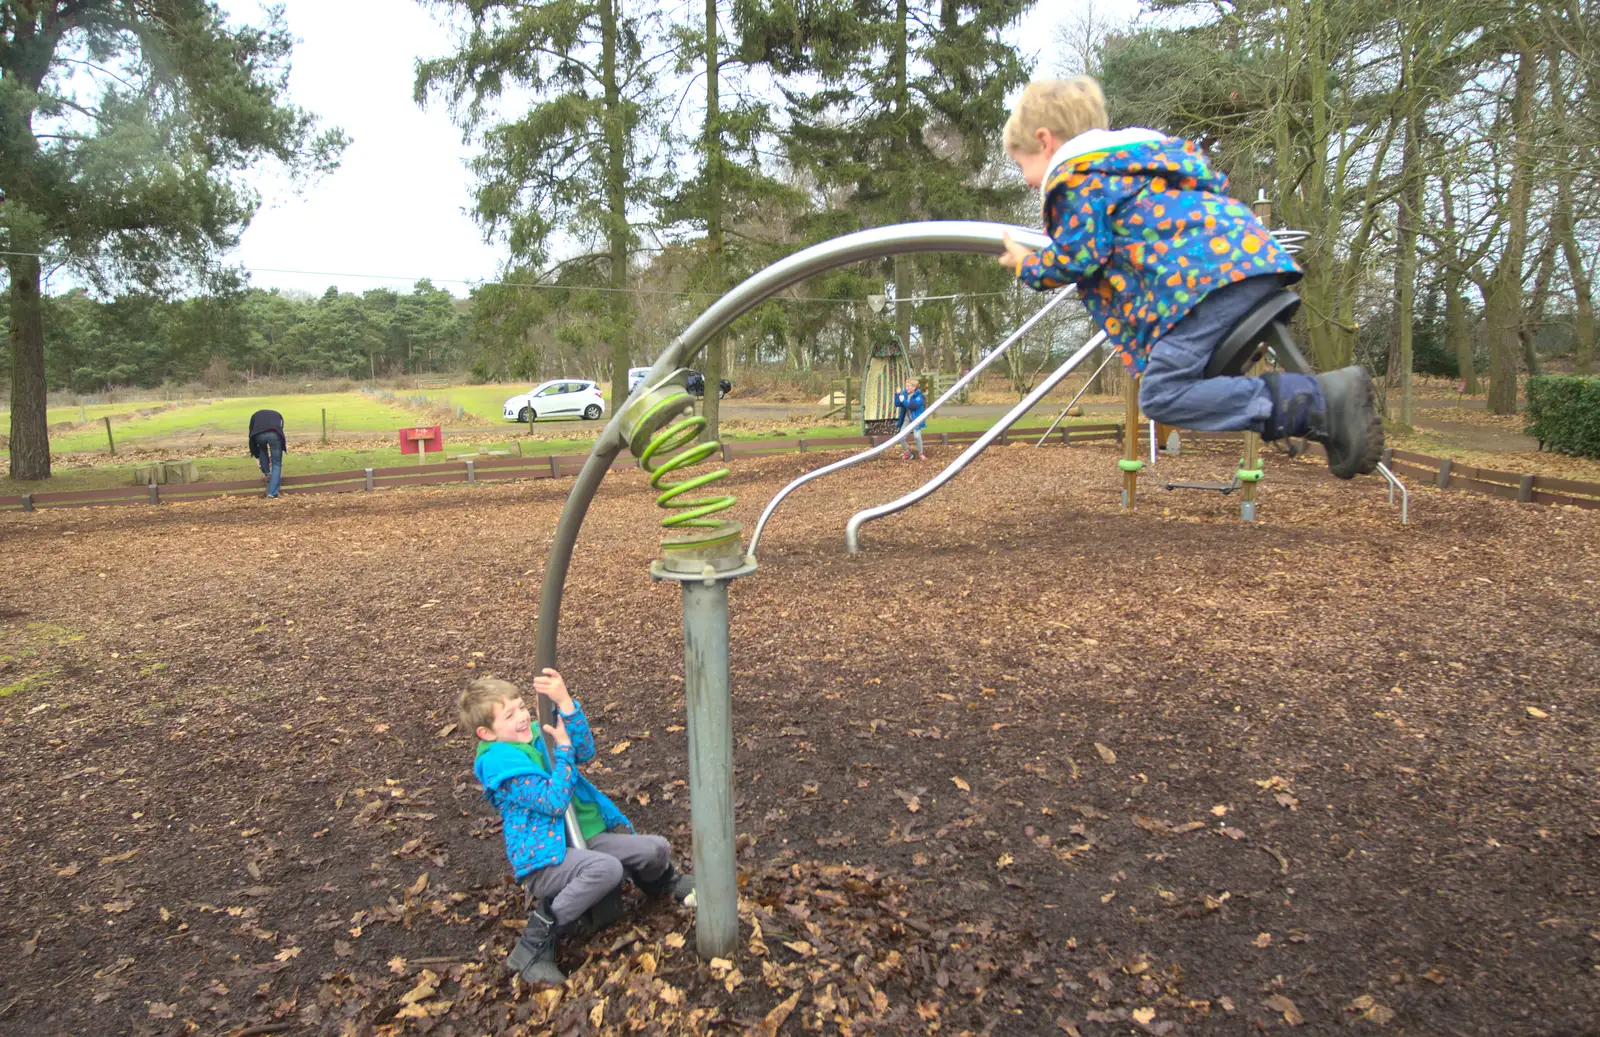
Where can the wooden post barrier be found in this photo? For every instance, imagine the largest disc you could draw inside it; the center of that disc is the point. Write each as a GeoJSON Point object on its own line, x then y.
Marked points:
{"type": "Point", "coordinates": [1130, 463]}
{"type": "Point", "coordinates": [110, 441]}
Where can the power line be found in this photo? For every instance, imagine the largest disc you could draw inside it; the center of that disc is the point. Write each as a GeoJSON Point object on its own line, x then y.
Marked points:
{"type": "Point", "coordinates": [914, 300]}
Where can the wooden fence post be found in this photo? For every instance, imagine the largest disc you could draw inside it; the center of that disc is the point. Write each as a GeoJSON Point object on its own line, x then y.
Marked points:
{"type": "Point", "coordinates": [1525, 490]}
{"type": "Point", "coordinates": [1443, 481]}
{"type": "Point", "coordinates": [368, 472]}
{"type": "Point", "coordinates": [27, 502]}
{"type": "Point", "coordinates": [472, 476]}
{"type": "Point", "coordinates": [324, 425]}
{"type": "Point", "coordinates": [109, 440]}
{"type": "Point", "coordinates": [155, 494]}
{"type": "Point", "coordinates": [555, 465]}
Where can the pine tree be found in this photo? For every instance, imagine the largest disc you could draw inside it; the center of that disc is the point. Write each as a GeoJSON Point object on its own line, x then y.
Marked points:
{"type": "Point", "coordinates": [130, 176]}
{"type": "Point", "coordinates": [577, 165]}
{"type": "Point", "coordinates": [908, 114]}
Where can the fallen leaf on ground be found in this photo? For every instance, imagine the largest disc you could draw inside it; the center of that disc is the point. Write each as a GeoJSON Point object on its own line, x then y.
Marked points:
{"type": "Point", "coordinates": [963, 786]}
{"type": "Point", "coordinates": [1537, 713]}
{"type": "Point", "coordinates": [69, 871]}
{"type": "Point", "coordinates": [775, 1018]}
{"type": "Point", "coordinates": [1005, 860]}
{"type": "Point", "coordinates": [1291, 1014]}
{"type": "Point", "coordinates": [1105, 753]}
{"type": "Point", "coordinates": [1264, 940]}
{"type": "Point", "coordinates": [427, 986]}
{"type": "Point", "coordinates": [287, 953]}
{"type": "Point", "coordinates": [1142, 1016]}
{"type": "Point", "coordinates": [620, 747]}
{"type": "Point", "coordinates": [161, 1010]}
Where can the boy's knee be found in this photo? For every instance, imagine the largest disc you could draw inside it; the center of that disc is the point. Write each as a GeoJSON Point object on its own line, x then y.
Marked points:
{"type": "Point", "coordinates": [660, 854]}
{"type": "Point", "coordinates": [1154, 396]}
{"type": "Point", "coordinates": [604, 868]}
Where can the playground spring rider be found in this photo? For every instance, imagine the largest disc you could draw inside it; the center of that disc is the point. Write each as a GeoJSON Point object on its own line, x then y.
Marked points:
{"type": "Point", "coordinates": [703, 555]}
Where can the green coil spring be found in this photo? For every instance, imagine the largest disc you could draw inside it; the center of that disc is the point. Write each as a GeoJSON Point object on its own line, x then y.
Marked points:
{"type": "Point", "coordinates": [690, 517]}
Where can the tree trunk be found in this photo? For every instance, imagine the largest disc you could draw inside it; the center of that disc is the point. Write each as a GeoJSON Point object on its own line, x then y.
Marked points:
{"type": "Point", "coordinates": [616, 203]}
{"type": "Point", "coordinates": [712, 144]}
{"type": "Point", "coordinates": [1564, 229]}
{"type": "Point", "coordinates": [30, 432]}
{"type": "Point", "coordinates": [1410, 204]}
{"type": "Point", "coordinates": [1458, 335]}
{"type": "Point", "coordinates": [1533, 318]}
{"type": "Point", "coordinates": [1504, 308]}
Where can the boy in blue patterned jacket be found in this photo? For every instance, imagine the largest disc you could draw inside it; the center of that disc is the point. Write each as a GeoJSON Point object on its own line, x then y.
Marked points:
{"type": "Point", "coordinates": [1167, 264]}
{"type": "Point", "coordinates": [532, 797]}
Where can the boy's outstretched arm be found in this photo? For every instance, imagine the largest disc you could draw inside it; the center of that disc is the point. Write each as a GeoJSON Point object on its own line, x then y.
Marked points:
{"type": "Point", "coordinates": [578, 730]}
{"type": "Point", "coordinates": [537, 793]}
{"type": "Point", "coordinates": [1080, 242]}
{"type": "Point", "coordinates": [550, 684]}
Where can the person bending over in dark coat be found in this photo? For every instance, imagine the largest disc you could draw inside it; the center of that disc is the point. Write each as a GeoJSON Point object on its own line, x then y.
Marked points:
{"type": "Point", "coordinates": [267, 444]}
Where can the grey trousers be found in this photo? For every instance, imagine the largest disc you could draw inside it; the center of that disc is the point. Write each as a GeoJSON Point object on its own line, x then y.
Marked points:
{"type": "Point", "coordinates": [585, 876]}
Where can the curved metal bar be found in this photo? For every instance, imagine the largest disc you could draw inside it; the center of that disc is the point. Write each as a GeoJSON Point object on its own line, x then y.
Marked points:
{"type": "Point", "coordinates": [867, 455]}
{"type": "Point", "coordinates": [1076, 396]}
{"type": "Point", "coordinates": [852, 529]}
{"type": "Point", "coordinates": [954, 236]}
{"type": "Point", "coordinates": [1395, 484]}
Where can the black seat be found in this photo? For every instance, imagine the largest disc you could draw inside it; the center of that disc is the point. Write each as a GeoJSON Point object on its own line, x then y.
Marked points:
{"type": "Point", "coordinates": [1265, 327]}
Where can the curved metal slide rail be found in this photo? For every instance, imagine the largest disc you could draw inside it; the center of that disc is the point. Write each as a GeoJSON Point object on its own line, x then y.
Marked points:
{"type": "Point", "coordinates": [871, 452]}
{"type": "Point", "coordinates": [853, 528]}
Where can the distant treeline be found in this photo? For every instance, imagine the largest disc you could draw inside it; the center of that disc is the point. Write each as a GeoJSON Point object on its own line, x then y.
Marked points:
{"type": "Point", "coordinates": [142, 340]}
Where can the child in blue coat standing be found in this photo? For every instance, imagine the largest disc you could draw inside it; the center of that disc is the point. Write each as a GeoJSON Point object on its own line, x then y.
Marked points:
{"type": "Point", "coordinates": [909, 403]}
{"type": "Point", "coordinates": [1167, 263]}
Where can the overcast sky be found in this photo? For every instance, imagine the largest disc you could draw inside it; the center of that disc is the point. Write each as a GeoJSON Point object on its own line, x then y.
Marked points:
{"type": "Point", "coordinates": [393, 211]}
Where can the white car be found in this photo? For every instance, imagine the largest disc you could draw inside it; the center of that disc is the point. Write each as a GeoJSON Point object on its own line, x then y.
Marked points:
{"type": "Point", "coordinates": [564, 398]}
{"type": "Point", "coordinates": [635, 376]}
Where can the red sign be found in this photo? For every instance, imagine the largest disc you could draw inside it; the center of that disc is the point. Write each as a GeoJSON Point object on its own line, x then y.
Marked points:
{"type": "Point", "coordinates": [427, 440]}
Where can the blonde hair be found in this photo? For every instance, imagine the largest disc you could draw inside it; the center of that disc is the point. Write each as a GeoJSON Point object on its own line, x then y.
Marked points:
{"type": "Point", "coordinates": [1065, 107]}
{"type": "Point", "coordinates": [477, 703]}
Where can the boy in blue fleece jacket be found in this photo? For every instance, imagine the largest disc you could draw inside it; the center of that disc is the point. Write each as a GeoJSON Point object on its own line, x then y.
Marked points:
{"type": "Point", "coordinates": [532, 795]}
{"type": "Point", "coordinates": [1167, 263]}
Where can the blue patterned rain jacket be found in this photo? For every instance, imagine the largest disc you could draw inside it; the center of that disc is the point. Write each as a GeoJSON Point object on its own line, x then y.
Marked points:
{"type": "Point", "coordinates": [1145, 228]}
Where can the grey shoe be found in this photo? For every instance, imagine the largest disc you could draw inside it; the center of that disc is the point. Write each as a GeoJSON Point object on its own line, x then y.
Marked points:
{"type": "Point", "coordinates": [671, 882]}
{"type": "Point", "coordinates": [1335, 409]}
{"type": "Point", "coordinates": [1351, 430]}
{"type": "Point", "coordinates": [534, 956]}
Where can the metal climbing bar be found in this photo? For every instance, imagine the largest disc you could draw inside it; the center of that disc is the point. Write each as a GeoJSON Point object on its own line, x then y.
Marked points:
{"type": "Point", "coordinates": [948, 394]}
{"type": "Point", "coordinates": [1395, 484]}
{"type": "Point", "coordinates": [1076, 397]}
{"type": "Point", "coordinates": [1027, 403]}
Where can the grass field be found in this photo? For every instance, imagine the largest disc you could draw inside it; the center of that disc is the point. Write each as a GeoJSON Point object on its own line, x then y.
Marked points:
{"type": "Point", "coordinates": [228, 420]}
{"type": "Point", "coordinates": [307, 457]}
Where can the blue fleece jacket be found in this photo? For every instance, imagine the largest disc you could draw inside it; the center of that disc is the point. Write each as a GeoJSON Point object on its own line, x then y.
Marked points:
{"type": "Point", "coordinates": [533, 801]}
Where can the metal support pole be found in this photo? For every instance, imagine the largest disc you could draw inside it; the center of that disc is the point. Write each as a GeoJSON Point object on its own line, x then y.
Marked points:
{"type": "Point", "coordinates": [710, 723]}
{"type": "Point", "coordinates": [368, 473]}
